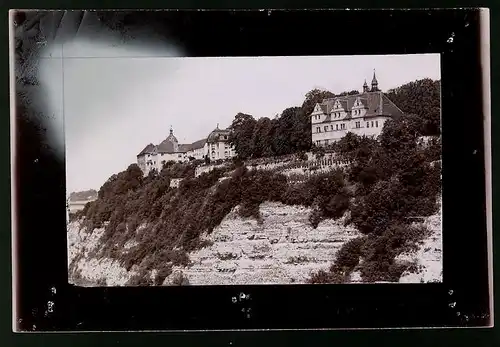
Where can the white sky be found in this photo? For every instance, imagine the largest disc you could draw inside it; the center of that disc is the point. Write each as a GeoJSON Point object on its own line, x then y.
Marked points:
{"type": "Point", "coordinates": [114, 107]}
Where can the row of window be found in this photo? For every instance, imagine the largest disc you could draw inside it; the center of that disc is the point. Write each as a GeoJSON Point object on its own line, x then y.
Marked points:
{"type": "Point", "coordinates": [374, 124]}
{"type": "Point", "coordinates": [338, 114]}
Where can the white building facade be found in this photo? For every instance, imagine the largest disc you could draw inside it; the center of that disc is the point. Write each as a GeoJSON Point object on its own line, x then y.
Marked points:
{"type": "Point", "coordinates": [361, 114]}
{"type": "Point", "coordinates": [218, 145]}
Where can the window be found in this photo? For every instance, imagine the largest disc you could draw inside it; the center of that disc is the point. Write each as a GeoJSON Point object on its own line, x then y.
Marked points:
{"type": "Point", "coordinates": [318, 129]}
{"type": "Point", "coordinates": [326, 128]}
{"type": "Point", "coordinates": [355, 112]}
{"type": "Point", "coordinates": [372, 124]}
{"type": "Point", "coordinates": [326, 142]}
{"type": "Point", "coordinates": [180, 155]}
{"type": "Point", "coordinates": [337, 126]}
{"type": "Point", "coordinates": [342, 126]}
{"type": "Point", "coordinates": [367, 124]}
{"type": "Point", "coordinates": [331, 127]}
{"type": "Point", "coordinates": [376, 123]}
{"type": "Point", "coordinates": [358, 124]}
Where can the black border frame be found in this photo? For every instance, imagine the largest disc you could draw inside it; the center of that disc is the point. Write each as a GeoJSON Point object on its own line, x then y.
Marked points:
{"type": "Point", "coordinates": [463, 298]}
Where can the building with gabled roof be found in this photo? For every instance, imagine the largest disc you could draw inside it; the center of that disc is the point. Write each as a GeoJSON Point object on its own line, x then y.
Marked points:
{"type": "Point", "coordinates": [154, 156]}
{"type": "Point", "coordinates": [361, 114]}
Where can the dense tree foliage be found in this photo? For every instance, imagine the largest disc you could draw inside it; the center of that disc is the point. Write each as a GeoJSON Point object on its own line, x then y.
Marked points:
{"type": "Point", "coordinates": [422, 98]}
{"type": "Point", "coordinates": [395, 182]}
{"type": "Point", "coordinates": [288, 133]}
{"type": "Point", "coordinates": [242, 130]}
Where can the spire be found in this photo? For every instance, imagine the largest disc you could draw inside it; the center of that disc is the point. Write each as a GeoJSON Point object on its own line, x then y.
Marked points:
{"type": "Point", "coordinates": [217, 125]}
{"type": "Point", "coordinates": [171, 130]}
{"type": "Point", "coordinates": [365, 87]}
{"type": "Point", "coordinates": [374, 82]}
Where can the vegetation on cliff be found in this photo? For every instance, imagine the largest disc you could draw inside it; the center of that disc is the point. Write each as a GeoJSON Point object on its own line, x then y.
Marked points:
{"type": "Point", "coordinates": [389, 184]}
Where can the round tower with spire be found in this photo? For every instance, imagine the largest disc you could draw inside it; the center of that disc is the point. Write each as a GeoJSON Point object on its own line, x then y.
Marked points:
{"type": "Point", "coordinates": [374, 82]}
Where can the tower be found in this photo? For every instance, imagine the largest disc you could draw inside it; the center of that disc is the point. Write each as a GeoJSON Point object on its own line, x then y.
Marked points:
{"type": "Point", "coordinates": [173, 140]}
{"type": "Point", "coordinates": [374, 82]}
{"type": "Point", "coordinates": [365, 87]}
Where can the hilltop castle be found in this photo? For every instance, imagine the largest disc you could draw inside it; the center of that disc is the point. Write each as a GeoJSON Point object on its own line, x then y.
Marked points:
{"type": "Point", "coordinates": [215, 147]}
{"type": "Point", "coordinates": [361, 114]}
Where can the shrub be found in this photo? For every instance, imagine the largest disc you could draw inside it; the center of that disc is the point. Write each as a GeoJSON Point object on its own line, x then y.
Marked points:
{"type": "Point", "coordinates": [336, 205]}
{"type": "Point", "coordinates": [142, 278]}
{"type": "Point", "coordinates": [101, 282]}
{"type": "Point", "coordinates": [179, 279]}
{"type": "Point", "coordinates": [163, 272]}
{"type": "Point", "coordinates": [327, 277]}
{"type": "Point", "coordinates": [315, 217]}
{"type": "Point", "coordinates": [349, 254]}
{"type": "Point", "coordinates": [301, 156]}
{"type": "Point", "coordinates": [249, 209]}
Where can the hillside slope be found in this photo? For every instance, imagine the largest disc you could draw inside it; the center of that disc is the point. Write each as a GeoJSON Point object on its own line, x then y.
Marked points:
{"type": "Point", "coordinates": [282, 249]}
{"type": "Point", "coordinates": [235, 224]}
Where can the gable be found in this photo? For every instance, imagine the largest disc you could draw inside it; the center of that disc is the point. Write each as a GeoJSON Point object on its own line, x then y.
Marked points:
{"type": "Point", "coordinates": [147, 150]}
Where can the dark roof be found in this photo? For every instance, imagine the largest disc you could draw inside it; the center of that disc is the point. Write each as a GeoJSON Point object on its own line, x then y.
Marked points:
{"type": "Point", "coordinates": [166, 146]}
{"type": "Point", "coordinates": [198, 144]}
{"type": "Point", "coordinates": [184, 147]}
{"type": "Point", "coordinates": [148, 149]}
{"type": "Point", "coordinates": [215, 135]}
{"type": "Point", "coordinates": [171, 137]}
{"type": "Point", "coordinates": [376, 103]}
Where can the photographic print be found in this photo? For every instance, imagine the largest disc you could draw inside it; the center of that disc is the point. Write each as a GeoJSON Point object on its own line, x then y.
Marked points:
{"type": "Point", "coordinates": [242, 172]}
{"type": "Point", "coordinates": [253, 170]}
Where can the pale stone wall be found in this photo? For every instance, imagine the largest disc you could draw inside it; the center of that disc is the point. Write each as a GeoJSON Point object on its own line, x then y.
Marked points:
{"type": "Point", "coordinates": [329, 131]}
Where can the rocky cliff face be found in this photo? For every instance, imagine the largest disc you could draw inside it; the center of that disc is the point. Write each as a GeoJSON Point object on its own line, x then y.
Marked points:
{"type": "Point", "coordinates": [280, 248]}
{"type": "Point", "coordinates": [428, 257]}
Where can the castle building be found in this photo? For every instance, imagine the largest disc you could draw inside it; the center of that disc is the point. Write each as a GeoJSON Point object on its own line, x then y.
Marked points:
{"type": "Point", "coordinates": [361, 114]}
{"type": "Point", "coordinates": [216, 146]}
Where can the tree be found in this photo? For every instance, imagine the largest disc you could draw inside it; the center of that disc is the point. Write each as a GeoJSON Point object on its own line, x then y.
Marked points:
{"type": "Point", "coordinates": [422, 98]}
{"type": "Point", "coordinates": [286, 131]}
{"type": "Point", "coordinates": [262, 138]}
{"type": "Point", "coordinates": [399, 135]}
{"type": "Point", "coordinates": [313, 97]}
{"type": "Point", "coordinates": [242, 130]}
{"type": "Point", "coordinates": [352, 92]}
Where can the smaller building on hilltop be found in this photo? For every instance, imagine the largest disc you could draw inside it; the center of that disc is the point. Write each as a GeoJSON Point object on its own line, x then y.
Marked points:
{"type": "Point", "coordinates": [198, 149]}
{"type": "Point", "coordinates": [218, 144]}
{"type": "Point", "coordinates": [153, 157]}
{"type": "Point", "coordinates": [361, 114]}
{"type": "Point", "coordinates": [215, 146]}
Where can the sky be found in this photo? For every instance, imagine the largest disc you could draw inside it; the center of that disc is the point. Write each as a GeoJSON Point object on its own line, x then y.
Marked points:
{"type": "Point", "coordinates": [115, 102]}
